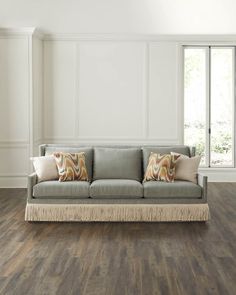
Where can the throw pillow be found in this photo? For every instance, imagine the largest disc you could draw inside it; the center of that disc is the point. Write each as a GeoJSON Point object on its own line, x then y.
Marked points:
{"type": "Point", "coordinates": [187, 168]}
{"type": "Point", "coordinates": [71, 166]}
{"type": "Point", "coordinates": [45, 168]}
{"type": "Point", "coordinates": [161, 167]}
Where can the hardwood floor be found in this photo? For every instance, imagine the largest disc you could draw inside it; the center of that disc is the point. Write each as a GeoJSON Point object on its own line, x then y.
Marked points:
{"type": "Point", "coordinates": [119, 258]}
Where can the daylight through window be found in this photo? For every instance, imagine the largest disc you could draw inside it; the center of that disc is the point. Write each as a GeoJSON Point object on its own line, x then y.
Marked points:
{"type": "Point", "coordinates": [209, 103]}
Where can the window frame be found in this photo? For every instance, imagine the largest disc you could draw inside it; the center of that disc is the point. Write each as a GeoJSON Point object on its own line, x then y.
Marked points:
{"type": "Point", "coordinates": [207, 48]}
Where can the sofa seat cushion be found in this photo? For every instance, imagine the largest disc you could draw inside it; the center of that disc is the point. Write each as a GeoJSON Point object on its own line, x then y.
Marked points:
{"type": "Point", "coordinates": [116, 188]}
{"type": "Point", "coordinates": [60, 190]}
{"type": "Point", "coordinates": [177, 189]}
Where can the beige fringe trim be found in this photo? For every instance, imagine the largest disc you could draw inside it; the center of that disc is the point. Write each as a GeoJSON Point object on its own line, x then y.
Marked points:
{"type": "Point", "coordinates": [117, 212]}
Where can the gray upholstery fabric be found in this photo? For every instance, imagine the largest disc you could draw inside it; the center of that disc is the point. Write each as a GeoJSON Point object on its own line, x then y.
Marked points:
{"type": "Point", "coordinates": [202, 181]}
{"type": "Point", "coordinates": [177, 189]}
{"type": "Point", "coordinates": [182, 149]}
{"type": "Point", "coordinates": [87, 150]}
{"type": "Point", "coordinates": [57, 190]}
{"type": "Point", "coordinates": [116, 188]}
{"type": "Point", "coordinates": [117, 191]}
{"type": "Point", "coordinates": [117, 163]}
{"type": "Point", "coordinates": [32, 180]}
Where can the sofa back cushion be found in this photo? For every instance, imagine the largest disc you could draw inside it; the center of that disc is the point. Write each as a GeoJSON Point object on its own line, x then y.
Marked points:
{"type": "Point", "coordinates": [180, 149]}
{"type": "Point", "coordinates": [117, 163]}
{"type": "Point", "coordinates": [50, 149]}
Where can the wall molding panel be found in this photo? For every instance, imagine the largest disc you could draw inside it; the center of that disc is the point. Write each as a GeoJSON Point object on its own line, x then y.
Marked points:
{"type": "Point", "coordinates": [115, 103]}
{"type": "Point", "coordinates": [185, 38]}
{"type": "Point", "coordinates": [90, 89]}
{"type": "Point", "coordinates": [84, 100]}
{"type": "Point", "coordinates": [19, 99]}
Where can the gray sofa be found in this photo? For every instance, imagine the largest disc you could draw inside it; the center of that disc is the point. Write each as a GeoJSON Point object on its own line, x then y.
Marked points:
{"type": "Point", "coordinates": [115, 191]}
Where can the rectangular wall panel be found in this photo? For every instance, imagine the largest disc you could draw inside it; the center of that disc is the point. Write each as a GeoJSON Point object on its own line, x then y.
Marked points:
{"type": "Point", "coordinates": [59, 89]}
{"type": "Point", "coordinates": [163, 91]}
{"type": "Point", "coordinates": [111, 79]}
{"type": "Point", "coordinates": [14, 160]}
{"type": "Point", "coordinates": [14, 90]}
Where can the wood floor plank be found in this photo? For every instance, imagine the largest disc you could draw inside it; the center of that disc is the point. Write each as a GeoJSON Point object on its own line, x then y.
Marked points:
{"type": "Point", "coordinates": [118, 258]}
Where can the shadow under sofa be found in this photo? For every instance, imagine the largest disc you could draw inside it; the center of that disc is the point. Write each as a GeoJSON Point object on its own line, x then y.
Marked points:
{"type": "Point", "coordinates": [115, 191]}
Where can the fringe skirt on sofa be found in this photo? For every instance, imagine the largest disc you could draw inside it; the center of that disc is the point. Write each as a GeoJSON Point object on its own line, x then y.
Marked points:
{"type": "Point", "coordinates": [117, 212]}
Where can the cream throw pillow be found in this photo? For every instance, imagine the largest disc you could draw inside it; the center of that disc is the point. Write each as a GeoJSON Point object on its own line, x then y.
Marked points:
{"type": "Point", "coordinates": [187, 168]}
{"type": "Point", "coordinates": [45, 168]}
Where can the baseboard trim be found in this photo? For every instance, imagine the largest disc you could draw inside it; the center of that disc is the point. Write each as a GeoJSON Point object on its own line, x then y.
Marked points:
{"type": "Point", "coordinates": [219, 174]}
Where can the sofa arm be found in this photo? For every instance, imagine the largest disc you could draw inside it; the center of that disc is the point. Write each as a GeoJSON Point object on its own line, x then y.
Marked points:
{"type": "Point", "coordinates": [202, 181]}
{"type": "Point", "coordinates": [192, 150]}
{"type": "Point", "coordinates": [32, 180]}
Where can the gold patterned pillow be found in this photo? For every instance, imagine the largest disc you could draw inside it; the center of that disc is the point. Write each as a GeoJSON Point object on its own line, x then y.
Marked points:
{"type": "Point", "coordinates": [161, 167]}
{"type": "Point", "coordinates": [71, 166]}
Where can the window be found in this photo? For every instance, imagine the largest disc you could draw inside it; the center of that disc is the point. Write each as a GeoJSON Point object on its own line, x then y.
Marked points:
{"type": "Point", "coordinates": [209, 103]}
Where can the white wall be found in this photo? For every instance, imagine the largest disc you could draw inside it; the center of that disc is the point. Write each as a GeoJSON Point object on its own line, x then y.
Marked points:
{"type": "Point", "coordinates": [141, 74]}
{"type": "Point", "coordinates": [111, 91]}
{"type": "Point", "coordinates": [123, 89]}
{"type": "Point", "coordinates": [20, 104]}
{"type": "Point", "coordinates": [122, 16]}
{"type": "Point", "coordinates": [14, 109]}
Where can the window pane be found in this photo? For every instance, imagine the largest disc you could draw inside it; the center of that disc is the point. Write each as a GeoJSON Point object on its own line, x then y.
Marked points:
{"type": "Point", "coordinates": [195, 100]}
{"type": "Point", "coordinates": [222, 106]}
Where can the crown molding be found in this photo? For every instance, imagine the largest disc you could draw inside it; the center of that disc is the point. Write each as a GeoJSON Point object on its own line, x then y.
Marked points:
{"type": "Point", "coordinates": [140, 37]}
{"type": "Point", "coordinates": [188, 39]}
{"type": "Point", "coordinates": [21, 32]}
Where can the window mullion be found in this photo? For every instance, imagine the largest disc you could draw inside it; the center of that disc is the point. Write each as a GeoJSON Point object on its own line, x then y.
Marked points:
{"type": "Point", "coordinates": [208, 105]}
{"type": "Point", "coordinates": [234, 107]}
